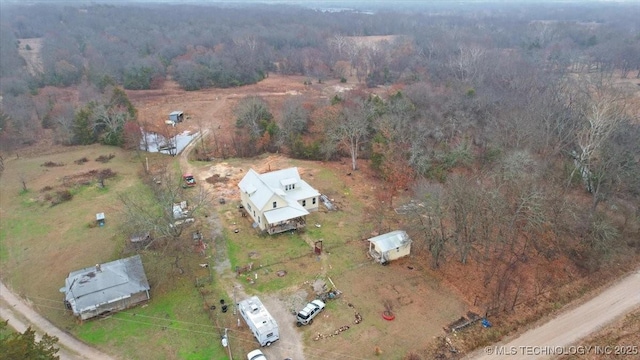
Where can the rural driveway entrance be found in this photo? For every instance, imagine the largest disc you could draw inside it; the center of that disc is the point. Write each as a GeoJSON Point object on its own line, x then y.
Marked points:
{"type": "Point", "coordinates": [569, 327]}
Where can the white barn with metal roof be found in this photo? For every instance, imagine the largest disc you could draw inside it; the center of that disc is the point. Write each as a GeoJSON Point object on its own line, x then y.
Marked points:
{"type": "Point", "coordinates": [279, 200]}
{"type": "Point", "coordinates": [105, 288]}
{"type": "Point", "coordinates": [390, 246]}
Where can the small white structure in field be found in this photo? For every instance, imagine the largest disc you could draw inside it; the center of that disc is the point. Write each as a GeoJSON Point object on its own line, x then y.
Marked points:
{"type": "Point", "coordinates": [390, 246]}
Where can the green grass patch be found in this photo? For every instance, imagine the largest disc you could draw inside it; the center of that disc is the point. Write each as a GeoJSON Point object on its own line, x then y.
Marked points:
{"type": "Point", "coordinates": [18, 228]}
{"type": "Point", "coordinates": [234, 249]}
{"type": "Point", "coordinates": [174, 319]}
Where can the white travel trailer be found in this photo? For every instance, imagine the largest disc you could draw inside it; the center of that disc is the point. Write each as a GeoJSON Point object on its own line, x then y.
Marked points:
{"type": "Point", "coordinates": [262, 324]}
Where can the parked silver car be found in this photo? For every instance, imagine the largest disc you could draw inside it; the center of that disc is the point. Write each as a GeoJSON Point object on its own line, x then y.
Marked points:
{"type": "Point", "coordinates": [306, 315]}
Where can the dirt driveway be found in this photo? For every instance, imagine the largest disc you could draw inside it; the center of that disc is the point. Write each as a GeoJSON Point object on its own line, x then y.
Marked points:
{"type": "Point", "coordinates": [570, 327]}
{"type": "Point", "coordinates": [290, 345]}
{"type": "Point", "coordinates": [13, 308]}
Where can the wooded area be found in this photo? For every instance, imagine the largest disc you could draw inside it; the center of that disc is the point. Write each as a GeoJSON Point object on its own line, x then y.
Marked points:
{"type": "Point", "coordinates": [514, 126]}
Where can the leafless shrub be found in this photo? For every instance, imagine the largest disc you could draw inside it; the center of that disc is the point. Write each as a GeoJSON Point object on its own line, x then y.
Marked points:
{"type": "Point", "coordinates": [105, 158]}
{"type": "Point", "coordinates": [52, 164]}
{"type": "Point", "coordinates": [81, 161]}
{"type": "Point", "coordinates": [61, 196]}
{"type": "Point", "coordinates": [106, 174]}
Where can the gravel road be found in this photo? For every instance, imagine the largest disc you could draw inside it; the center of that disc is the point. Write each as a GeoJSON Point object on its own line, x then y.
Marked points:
{"type": "Point", "coordinates": [21, 316]}
{"type": "Point", "coordinates": [568, 328]}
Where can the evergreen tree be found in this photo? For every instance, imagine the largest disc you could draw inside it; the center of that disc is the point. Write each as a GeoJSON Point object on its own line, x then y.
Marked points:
{"type": "Point", "coordinates": [14, 345]}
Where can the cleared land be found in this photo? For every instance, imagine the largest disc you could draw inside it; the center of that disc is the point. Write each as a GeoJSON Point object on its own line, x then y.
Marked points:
{"type": "Point", "coordinates": [177, 323]}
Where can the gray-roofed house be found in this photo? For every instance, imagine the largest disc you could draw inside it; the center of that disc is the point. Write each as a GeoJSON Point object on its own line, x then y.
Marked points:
{"type": "Point", "coordinates": [105, 288]}
{"type": "Point", "coordinates": [390, 246]}
{"type": "Point", "coordinates": [279, 200]}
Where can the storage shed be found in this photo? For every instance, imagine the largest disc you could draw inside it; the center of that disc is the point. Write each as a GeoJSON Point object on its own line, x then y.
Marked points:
{"type": "Point", "coordinates": [390, 246]}
{"type": "Point", "coordinates": [176, 116]}
{"type": "Point", "coordinates": [105, 288]}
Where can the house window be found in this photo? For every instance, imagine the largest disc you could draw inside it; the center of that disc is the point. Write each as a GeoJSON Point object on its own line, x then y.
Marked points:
{"type": "Point", "coordinates": [304, 202]}
{"type": "Point", "coordinates": [293, 186]}
{"type": "Point", "coordinates": [313, 201]}
{"type": "Point", "coordinates": [275, 204]}
{"type": "Point", "coordinates": [249, 207]}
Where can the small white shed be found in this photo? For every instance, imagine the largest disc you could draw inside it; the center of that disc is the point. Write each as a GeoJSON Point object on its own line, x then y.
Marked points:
{"type": "Point", "coordinates": [390, 246]}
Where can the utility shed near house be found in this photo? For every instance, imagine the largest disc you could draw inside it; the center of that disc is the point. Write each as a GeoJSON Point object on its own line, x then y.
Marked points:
{"type": "Point", "coordinates": [105, 288]}
{"type": "Point", "coordinates": [390, 246]}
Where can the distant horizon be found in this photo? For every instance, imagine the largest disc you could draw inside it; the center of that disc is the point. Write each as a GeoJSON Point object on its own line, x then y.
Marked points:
{"type": "Point", "coordinates": [302, 2]}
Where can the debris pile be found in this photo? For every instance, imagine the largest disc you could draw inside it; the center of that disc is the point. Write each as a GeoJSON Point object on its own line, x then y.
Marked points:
{"type": "Point", "coordinates": [358, 320]}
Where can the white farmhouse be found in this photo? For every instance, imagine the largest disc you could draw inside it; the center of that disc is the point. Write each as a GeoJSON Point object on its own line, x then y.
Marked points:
{"type": "Point", "coordinates": [277, 201]}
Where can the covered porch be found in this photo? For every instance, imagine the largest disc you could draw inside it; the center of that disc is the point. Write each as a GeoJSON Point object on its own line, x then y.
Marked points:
{"type": "Point", "coordinates": [293, 224]}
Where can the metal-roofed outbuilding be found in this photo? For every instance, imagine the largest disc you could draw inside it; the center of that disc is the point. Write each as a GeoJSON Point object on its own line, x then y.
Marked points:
{"type": "Point", "coordinates": [105, 288]}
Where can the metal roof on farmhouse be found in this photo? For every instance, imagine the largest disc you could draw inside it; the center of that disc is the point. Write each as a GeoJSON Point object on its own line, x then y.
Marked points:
{"type": "Point", "coordinates": [282, 214]}
{"type": "Point", "coordinates": [391, 240]}
{"type": "Point", "coordinates": [262, 187]}
{"type": "Point", "coordinates": [90, 287]}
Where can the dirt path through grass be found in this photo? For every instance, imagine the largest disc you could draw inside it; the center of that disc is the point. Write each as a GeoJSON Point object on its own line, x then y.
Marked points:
{"type": "Point", "coordinates": [290, 343]}
{"type": "Point", "coordinates": [70, 347]}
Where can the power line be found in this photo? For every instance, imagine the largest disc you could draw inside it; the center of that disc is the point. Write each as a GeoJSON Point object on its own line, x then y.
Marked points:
{"type": "Point", "coordinates": [121, 316]}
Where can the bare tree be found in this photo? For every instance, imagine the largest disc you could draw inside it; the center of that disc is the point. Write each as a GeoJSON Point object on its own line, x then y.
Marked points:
{"type": "Point", "coordinates": [23, 182]}
{"type": "Point", "coordinates": [429, 217]}
{"type": "Point", "coordinates": [295, 120]}
{"type": "Point", "coordinates": [158, 213]}
{"type": "Point", "coordinates": [111, 122]}
{"type": "Point", "coordinates": [464, 200]}
{"type": "Point", "coordinates": [352, 128]}
{"type": "Point", "coordinates": [466, 64]}
{"type": "Point", "coordinates": [255, 120]}
{"type": "Point", "coordinates": [602, 111]}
